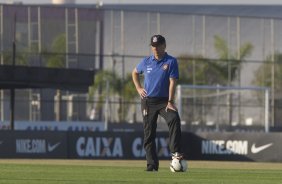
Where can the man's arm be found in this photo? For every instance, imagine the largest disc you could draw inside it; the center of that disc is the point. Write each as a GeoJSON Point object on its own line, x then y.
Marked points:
{"type": "Point", "coordinates": [172, 86]}
{"type": "Point", "coordinates": [135, 77]}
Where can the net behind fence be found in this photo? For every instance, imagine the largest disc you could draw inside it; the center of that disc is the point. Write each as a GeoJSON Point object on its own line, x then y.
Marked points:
{"type": "Point", "coordinates": [223, 108]}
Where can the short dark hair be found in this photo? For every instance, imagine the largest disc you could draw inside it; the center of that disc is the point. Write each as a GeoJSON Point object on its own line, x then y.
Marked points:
{"type": "Point", "coordinates": [157, 40]}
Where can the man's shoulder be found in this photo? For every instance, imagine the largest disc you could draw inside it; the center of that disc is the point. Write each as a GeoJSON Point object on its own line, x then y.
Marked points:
{"type": "Point", "coordinates": [147, 59]}
{"type": "Point", "coordinates": [171, 58]}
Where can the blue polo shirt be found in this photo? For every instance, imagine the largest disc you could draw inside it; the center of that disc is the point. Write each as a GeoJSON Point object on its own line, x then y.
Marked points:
{"type": "Point", "coordinates": [157, 74]}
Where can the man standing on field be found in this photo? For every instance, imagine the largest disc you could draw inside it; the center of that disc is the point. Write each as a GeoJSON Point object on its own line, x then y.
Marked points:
{"type": "Point", "coordinates": [157, 98]}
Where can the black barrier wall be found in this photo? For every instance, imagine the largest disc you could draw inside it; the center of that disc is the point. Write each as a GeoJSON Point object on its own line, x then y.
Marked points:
{"type": "Point", "coordinates": [25, 144]}
{"type": "Point", "coordinates": [129, 145]}
{"type": "Point", "coordinates": [237, 146]}
{"type": "Point", "coordinates": [114, 145]}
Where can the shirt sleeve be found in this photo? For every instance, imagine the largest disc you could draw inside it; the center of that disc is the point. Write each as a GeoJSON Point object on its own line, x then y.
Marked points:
{"type": "Point", "coordinates": [174, 70]}
{"type": "Point", "coordinates": [140, 66]}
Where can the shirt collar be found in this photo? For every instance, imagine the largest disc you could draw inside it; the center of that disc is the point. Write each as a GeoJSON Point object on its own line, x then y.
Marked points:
{"type": "Point", "coordinates": [154, 59]}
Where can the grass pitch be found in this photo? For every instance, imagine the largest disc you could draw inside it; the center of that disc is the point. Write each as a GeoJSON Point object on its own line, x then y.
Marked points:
{"type": "Point", "coordinates": [28, 171]}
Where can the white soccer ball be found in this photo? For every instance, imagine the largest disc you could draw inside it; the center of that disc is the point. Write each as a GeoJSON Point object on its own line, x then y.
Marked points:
{"type": "Point", "coordinates": [177, 165]}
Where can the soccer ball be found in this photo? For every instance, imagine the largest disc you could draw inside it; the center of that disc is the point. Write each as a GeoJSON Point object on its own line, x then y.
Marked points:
{"type": "Point", "coordinates": [177, 165]}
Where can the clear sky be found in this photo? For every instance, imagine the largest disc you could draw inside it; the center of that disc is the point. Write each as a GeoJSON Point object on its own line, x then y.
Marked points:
{"type": "Point", "coordinates": [254, 2]}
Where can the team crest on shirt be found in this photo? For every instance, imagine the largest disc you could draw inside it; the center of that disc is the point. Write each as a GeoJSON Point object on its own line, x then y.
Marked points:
{"type": "Point", "coordinates": [165, 66]}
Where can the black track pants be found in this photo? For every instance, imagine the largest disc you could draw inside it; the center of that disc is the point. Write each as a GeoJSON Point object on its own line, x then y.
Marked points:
{"type": "Point", "coordinates": [151, 108]}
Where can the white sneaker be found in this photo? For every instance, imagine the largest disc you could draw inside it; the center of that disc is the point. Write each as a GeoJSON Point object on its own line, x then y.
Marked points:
{"type": "Point", "coordinates": [177, 155]}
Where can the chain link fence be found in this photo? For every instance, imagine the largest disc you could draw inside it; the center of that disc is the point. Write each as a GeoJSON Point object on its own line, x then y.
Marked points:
{"type": "Point", "coordinates": [247, 49]}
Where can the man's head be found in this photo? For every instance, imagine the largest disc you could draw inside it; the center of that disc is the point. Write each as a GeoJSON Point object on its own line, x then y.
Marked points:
{"type": "Point", "coordinates": [158, 46]}
{"type": "Point", "coordinates": [157, 40]}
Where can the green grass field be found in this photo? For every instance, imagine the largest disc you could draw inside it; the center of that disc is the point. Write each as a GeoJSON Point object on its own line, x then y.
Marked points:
{"type": "Point", "coordinates": [28, 171]}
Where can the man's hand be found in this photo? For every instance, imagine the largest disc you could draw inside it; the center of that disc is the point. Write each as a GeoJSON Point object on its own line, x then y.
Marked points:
{"type": "Point", "coordinates": [142, 92]}
{"type": "Point", "coordinates": [135, 77]}
{"type": "Point", "coordinates": [171, 106]}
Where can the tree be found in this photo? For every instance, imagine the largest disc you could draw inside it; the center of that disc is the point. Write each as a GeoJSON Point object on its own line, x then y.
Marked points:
{"type": "Point", "coordinates": [230, 62]}
{"type": "Point", "coordinates": [263, 77]}
{"type": "Point", "coordinates": [230, 66]}
{"type": "Point", "coordinates": [22, 57]}
{"type": "Point", "coordinates": [58, 49]}
{"type": "Point", "coordinates": [130, 94]}
{"type": "Point", "coordinates": [107, 84]}
{"type": "Point", "coordinates": [112, 85]}
{"type": "Point", "coordinates": [57, 60]}
{"type": "Point", "coordinates": [100, 81]}
{"type": "Point", "coordinates": [264, 72]}
{"type": "Point", "coordinates": [198, 71]}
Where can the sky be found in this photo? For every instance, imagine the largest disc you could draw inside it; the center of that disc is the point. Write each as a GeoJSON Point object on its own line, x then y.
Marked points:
{"type": "Point", "coordinates": [253, 2]}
